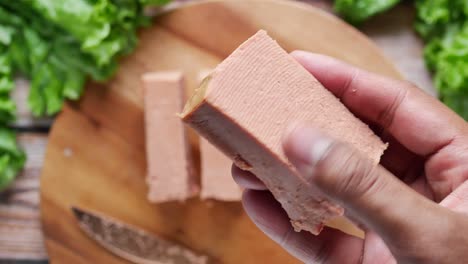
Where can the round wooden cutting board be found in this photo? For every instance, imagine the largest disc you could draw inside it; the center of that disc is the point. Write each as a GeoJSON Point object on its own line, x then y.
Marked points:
{"type": "Point", "coordinates": [96, 159]}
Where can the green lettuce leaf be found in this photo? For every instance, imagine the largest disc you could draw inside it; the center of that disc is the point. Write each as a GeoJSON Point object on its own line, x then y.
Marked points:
{"type": "Point", "coordinates": [444, 26]}
{"type": "Point", "coordinates": [104, 29]}
{"type": "Point", "coordinates": [154, 2]}
{"type": "Point", "coordinates": [12, 158]}
{"type": "Point", "coordinates": [58, 45]}
{"type": "Point", "coordinates": [356, 11]}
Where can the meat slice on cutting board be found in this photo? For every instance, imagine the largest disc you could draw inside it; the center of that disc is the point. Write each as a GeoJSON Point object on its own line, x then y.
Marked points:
{"type": "Point", "coordinates": [216, 179]}
{"type": "Point", "coordinates": [243, 108]}
{"type": "Point", "coordinates": [171, 174]}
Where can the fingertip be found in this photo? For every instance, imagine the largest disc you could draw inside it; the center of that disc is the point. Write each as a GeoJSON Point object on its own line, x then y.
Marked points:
{"type": "Point", "coordinates": [299, 53]}
{"type": "Point", "coordinates": [251, 201]}
{"type": "Point", "coordinates": [265, 212]}
{"type": "Point", "coordinates": [291, 142]}
{"type": "Point", "coordinates": [304, 145]}
{"type": "Point", "coordinates": [247, 197]}
{"type": "Point", "coordinates": [287, 138]}
{"type": "Point", "coordinates": [246, 179]}
{"type": "Point", "coordinates": [236, 171]}
{"type": "Point", "coordinates": [309, 59]}
{"type": "Point", "coordinates": [259, 202]}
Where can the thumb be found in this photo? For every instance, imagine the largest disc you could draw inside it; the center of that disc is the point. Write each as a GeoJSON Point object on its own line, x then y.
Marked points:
{"type": "Point", "coordinates": [368, 192]}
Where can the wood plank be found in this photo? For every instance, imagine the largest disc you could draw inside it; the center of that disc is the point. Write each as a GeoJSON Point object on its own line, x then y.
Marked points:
{"type": "Point", "coordinates": [21, 236]}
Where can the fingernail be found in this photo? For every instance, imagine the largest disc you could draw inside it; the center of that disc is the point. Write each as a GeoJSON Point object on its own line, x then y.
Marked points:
{"type": "Point", "coordinates": [305, 146]}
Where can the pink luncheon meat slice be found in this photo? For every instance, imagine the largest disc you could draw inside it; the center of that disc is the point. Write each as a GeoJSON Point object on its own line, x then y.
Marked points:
{"type": "Point", "coordinates": [245, 105]}
{"type": "Point", "coordinates": [216, 179]}
{"type": "Point", "coordinates": [171, 174]}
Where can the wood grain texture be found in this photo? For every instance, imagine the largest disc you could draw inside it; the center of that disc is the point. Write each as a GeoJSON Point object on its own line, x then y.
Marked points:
{"type": "Point", "coordinates": [96, 159]}
{"type": "Point", "coordinates": [20, 229]}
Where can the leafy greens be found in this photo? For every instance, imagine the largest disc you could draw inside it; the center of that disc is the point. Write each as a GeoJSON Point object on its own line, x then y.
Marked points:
{"type": "Point", "coordinates": [443, 24]}
{"type": "Point", "coordinates": [58, 44]}
{"type": "Point", "coordinates": [357, 11]}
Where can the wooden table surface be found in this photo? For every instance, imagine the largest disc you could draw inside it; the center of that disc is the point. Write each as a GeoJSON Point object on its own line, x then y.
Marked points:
{"type": "Point", "coordinates": [20, 233]}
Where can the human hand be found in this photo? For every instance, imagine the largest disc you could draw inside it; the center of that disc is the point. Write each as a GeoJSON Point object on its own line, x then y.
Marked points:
{"type": "Point", "coordinates": [413, 206]}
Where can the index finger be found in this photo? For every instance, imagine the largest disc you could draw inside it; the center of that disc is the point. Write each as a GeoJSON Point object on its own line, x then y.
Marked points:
{"type": "Point", "coordinates": [417, 120]}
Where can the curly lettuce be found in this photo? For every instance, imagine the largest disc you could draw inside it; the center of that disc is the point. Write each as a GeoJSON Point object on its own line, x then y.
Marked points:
{"type": "Point", "coordinates": [357, 11]}
{"type": "Point", "coordinates": [443, 24]}
{"type": "Point", "coordinates": [58, 45]}
{"type": "Point", "coordinates": [12, 158]}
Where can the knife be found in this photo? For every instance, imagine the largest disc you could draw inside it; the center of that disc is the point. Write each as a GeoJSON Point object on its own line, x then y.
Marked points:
{"type": "Point", "coordinates": [132, 243]}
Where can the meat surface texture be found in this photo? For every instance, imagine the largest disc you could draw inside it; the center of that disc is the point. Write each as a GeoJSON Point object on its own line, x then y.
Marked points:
{"type": "Point", "coordinates": [171, 175]}
{"type": "Point", "coordinates": [216, 179]}
{"type": "Point", "coordinates": [246, 104]}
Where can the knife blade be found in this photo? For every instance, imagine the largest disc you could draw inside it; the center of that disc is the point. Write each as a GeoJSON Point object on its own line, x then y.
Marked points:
{"type": "Point", "coordinates": [132, 243]}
